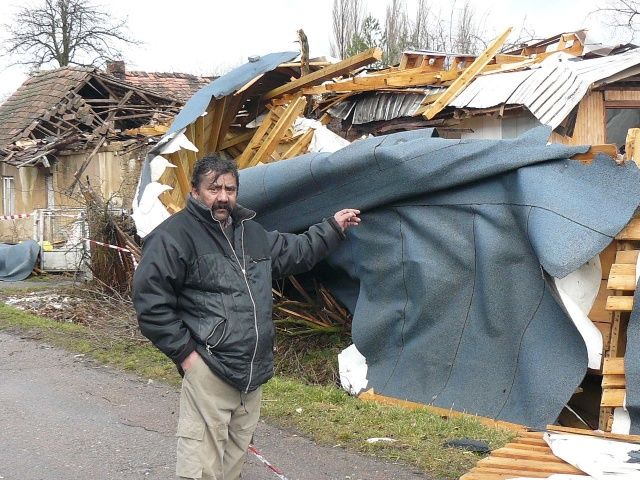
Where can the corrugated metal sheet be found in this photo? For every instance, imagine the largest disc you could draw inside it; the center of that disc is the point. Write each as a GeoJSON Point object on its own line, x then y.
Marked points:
{"type": "Point", "coordinates": [550, 91]}
{"type": "Point", "coordinates": [381, 106]}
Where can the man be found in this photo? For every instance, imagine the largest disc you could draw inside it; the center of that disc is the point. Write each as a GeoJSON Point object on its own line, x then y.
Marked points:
{"type": "Point", "coordinates": [202, 293]}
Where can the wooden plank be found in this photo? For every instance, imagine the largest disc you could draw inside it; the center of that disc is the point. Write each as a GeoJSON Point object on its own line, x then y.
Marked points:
{"type": "Point", "coordinates": [467, 76]}
{"type": "Point", "coordinates": [493, 474]}
{"type": "Point", "coordinates": [613, 381]}
{"type": "Point", "coordinates": [632, 145]}
{"type": "Point", "coordinates": [621, 282]}
{"type": "Point", "coordinates": [627, 256]}
{"type": "Point", "coordinates": [371, 396]}
{"type": "Point", "coordinates": [337, 69]}
{"type": "Point", "coordinates": [607, 149]}
{"type": "Point", "coordinates": [531, 441]}
{"type": "Point", "coordinates": [631, 231]}
{"type": "Point", "coordinates": [613, 397]}
{"type": "Point", "coordinates": [528, 465]}
{"type": "Point", "coordinates": [613, 366]}
{"type": "Point", "coordinates": [529, 448]}
{"type": "Point", "coordinates": [234, 138]}
{"type": "Point", "coordinates": [277, 132]}
{"type": "Point", "coordinates": [507, 452]}
{"type": "Point", "coordinates": [598, 312]}
{"type": "Point", "coordinates": [300, 145]}
{"type": "Point", "coordinates": [623, 269]}
{"type": "Point", "coordinates": [256, 140]}
{"type": "Point", "coordinates": [621, 303]}
{"type": "Point", "coordinates": [608, 258]}
{"type": "Point", "coordinates": [212, 127]}
{"type": "Point", "coordinates": [233, 105]}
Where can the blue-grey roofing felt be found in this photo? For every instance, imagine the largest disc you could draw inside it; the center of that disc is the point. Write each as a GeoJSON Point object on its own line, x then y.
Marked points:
{"type": "Point", "coordinates": [447, 275]}
{"type": "Point", "coordinates": [17, 261]}
{"type": "Point", "coordinates": [225, 85]}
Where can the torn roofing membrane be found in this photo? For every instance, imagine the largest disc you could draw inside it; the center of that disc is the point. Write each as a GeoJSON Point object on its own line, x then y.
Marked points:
{"type": "Point", "coordinates": [226, 85]}
{"type": "Point", "coordinates": [448, 275]}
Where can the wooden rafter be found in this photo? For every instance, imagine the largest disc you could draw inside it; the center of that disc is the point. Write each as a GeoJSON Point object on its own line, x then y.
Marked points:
{"type": "Point", "coordinates": [337, 69]}
{"type": "Point", "coordinates": [466, 76]}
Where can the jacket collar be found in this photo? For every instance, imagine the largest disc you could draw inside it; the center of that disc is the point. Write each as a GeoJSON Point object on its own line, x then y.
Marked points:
{"type": "Point", "coordinates": [201, 212]}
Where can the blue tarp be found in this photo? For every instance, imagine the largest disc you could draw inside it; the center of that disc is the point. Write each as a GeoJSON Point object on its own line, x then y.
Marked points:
{"type": "Point", "coordinates": [17, 261]}
{"type": "Point", "coordinates": [447, 277]}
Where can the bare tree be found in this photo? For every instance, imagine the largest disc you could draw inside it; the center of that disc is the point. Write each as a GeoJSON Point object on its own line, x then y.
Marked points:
{"type": "Point", "coordinates": [620, 15]}
{"type": "Point", "coordinates": [466, 36]}
{"type": "Point", "coordinates": [347, 17]}
{"type": "Point", "coordinates": [65, 32]}
{"type": "Point", "coordinates": [397, 34]}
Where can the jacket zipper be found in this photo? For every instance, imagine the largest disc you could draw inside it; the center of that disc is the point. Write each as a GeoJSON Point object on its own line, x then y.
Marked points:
{"type": "Point", "coordinates": [210, 347]}
{"type": "Point", "coordinates": [246, 281]}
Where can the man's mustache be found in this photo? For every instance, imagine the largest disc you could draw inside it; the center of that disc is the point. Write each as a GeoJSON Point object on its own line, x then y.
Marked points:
{"type": "Point", "coordinates": [218, 206]}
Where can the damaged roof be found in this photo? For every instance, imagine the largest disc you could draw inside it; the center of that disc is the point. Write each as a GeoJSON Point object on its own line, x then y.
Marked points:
{"type": "Point", "coordinates": [177, 85]}
{"type": "Point", "coordinates": [550, 90]}
{"type": "Point", "coordinates": [73, 108]}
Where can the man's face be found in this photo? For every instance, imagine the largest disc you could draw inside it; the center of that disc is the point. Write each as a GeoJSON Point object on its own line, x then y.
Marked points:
{"type": "Point", "coordinates": [219, 194]}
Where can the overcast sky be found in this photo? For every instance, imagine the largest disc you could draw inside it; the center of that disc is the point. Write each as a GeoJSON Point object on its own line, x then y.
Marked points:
{"type": "Point", "coordinates": [205, 36]}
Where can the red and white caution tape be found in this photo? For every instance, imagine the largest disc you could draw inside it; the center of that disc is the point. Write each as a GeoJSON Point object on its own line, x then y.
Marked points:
{"type": "Point", "coordinates": [114, 247]}
{"type": "Point", "coordinates": [278, 473]}
{"type": "Point", "coordinates": [16, 216]}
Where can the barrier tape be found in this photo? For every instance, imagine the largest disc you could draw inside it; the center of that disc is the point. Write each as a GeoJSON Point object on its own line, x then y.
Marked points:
{"type": "Point", "coordinates": [16, 216]}
{"type": "Point", "coordinates": [278, 473]}
{"type": "Point", "coordinates": [114, 247]}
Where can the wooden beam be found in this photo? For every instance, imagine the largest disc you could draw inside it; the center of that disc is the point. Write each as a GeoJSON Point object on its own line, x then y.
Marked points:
{"type": "Point", "coordinates": [235, 138]}
{"type": "Point", "coordinates": [613, 366]}
{"type": "Point", "coordinates": [619, 303]}
{"type": "Point", "coordinates": [254, 144]}
{"type": "Point", "coordinates": [608, 149]}
{"type": "Point", "coordinates": [371, 396]}
{"type": "Point", "coordinates": [467, 76]}
{"type": "Point", "coordinates": [613, 397]}
{"type": "Point", "coordinates": [631, 231]}
{"type": "Point", "coordinates": [300, 145]}
{"type": "Point", "coordinates": [337, 69]}
{"type": "Point", "coordinates": [627, 256]}
{"type": "Point", "coordinates": [270, 143]}
{"type": "Point", "coordinates": [212, 128]}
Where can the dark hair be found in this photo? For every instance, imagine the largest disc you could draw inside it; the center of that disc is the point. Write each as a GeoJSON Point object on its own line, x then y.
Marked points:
{"type": "Point", "coordinates": [213, 163]}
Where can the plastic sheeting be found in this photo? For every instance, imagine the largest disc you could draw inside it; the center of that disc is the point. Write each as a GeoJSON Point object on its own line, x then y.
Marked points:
{"type": "Point", "coordinates": [447, 276]}
{"type": "Point", "coordinates": [17, 261]}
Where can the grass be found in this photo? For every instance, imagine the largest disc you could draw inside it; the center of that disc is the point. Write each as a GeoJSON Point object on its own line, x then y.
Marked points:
{"type": "Point", "coordinates": [324, 413]}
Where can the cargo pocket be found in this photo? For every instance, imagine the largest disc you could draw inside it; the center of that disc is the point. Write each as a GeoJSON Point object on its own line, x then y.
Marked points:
{"type": "Point", "coordinates": [190, 443]}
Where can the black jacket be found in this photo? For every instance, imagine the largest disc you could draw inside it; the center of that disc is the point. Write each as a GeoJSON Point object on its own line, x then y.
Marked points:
{"type": "Point", "coordinates": [194, 291]}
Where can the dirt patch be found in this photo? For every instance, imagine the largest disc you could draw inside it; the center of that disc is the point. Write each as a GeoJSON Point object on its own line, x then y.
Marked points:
{"type": "Point", "coordinates": [112, 316]}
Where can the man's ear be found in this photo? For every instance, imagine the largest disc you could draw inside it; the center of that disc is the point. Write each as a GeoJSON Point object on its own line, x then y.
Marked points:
{"type": "Point", "coordinates": [194, 192]}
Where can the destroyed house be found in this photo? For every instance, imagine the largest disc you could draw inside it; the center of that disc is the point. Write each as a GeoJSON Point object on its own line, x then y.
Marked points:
{"type": "Point", "coordinates": [75, 122]}
{"type": "Point", "coordinates": [585, 95]}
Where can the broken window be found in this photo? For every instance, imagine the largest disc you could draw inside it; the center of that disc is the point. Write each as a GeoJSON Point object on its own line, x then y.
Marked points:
{"type": "Point", "coordinates": [619, 121]}
{"type": "Point", "coordinates": [8, 195]}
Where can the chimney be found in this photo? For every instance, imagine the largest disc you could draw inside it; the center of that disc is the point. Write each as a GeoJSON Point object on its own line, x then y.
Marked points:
{"type": "Point", "coordinates": [116, 68]}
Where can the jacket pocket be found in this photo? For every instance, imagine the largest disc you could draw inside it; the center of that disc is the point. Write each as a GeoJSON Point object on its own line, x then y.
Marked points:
{"type": "Point", "coordinates": [190, 435]}
{"type": "Point", "coordinates": [216, 335]}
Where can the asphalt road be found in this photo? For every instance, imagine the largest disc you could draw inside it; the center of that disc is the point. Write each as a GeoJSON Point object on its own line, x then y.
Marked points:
{"type": "Point", "coordinates": [63, 417]}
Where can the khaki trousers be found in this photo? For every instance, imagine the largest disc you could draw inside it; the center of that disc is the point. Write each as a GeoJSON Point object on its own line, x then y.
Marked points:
{"type": "Point", "coordinates": [215, 426]}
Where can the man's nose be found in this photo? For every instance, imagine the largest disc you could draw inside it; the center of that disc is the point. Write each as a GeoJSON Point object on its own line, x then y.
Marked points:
{"type": "Point", "coordinates": [222, 195]}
